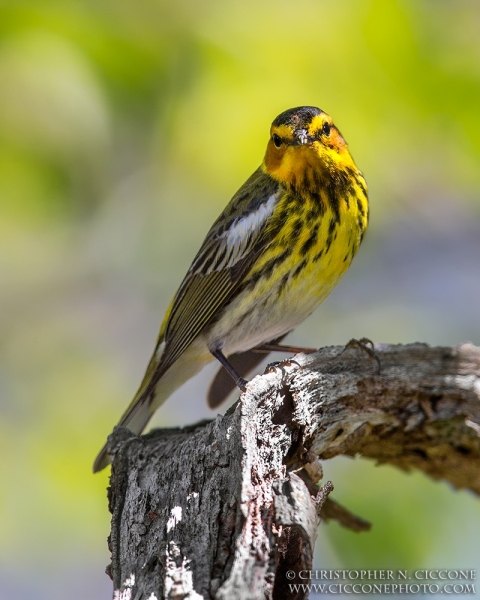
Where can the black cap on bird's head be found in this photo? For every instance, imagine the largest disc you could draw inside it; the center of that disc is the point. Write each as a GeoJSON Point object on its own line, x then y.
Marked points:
{"type": "Point", "coordinates": [297, 118]}
{"type": "Point", "coordinates": [305, 139]}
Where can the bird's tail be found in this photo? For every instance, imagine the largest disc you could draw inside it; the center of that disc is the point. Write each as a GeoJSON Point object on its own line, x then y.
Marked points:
{"type": "Point", "coordinates": [149, 397]}
{"type": "Point", "coordinates": [136, 419]}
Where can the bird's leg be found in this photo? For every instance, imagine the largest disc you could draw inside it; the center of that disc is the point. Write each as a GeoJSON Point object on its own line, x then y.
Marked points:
{"type": "Point", "coordinates": [273, 347]}
{"type": "Point", "coordinates": [222, 359]}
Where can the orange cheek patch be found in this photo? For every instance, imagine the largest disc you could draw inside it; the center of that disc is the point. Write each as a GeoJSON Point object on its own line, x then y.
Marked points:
{"type": "Point", "coordinates": [273, 157]}
{"type": "Point", "coordinates": [337, 139]}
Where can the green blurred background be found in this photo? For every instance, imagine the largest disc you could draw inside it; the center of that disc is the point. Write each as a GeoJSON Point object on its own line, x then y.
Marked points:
{"type": "Point", "coordinates": [125, 127]}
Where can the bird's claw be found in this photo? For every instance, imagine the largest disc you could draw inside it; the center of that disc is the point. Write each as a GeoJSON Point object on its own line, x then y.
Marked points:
{"type": "Point", "coordinates": [271, 367]}
{"type": "Point", "coordinates": [367, 346]}
{"type": "Point", "coordinates": [288, 362]}
{"type": "Point", "coordinates": [242, 384]}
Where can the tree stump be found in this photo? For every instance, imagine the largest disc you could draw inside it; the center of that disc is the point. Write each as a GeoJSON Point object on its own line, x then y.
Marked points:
{"type": "Point", "coordinates": [226, 508]}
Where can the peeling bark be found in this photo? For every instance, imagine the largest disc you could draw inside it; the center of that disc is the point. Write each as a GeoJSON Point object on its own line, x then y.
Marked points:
{"type": "Point", "coordinates": [223, 509]}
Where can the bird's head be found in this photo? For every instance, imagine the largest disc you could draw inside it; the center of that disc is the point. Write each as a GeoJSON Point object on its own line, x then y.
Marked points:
{"type": "Point", "coordinates": [305, 147]}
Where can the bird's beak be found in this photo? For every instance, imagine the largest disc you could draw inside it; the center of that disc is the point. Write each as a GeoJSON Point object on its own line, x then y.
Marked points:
{"type": "Point", "coordinates": [300, 137]}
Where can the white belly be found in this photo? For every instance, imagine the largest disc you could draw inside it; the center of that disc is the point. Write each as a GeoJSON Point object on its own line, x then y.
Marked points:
{"type": "Point", "coordinates": [250, 322]}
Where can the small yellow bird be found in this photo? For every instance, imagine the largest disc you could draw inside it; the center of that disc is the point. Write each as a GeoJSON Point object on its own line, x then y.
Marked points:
{"type": "Point", "coordinates": [274, 254]}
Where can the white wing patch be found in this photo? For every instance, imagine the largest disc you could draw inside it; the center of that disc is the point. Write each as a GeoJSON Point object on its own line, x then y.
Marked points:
{"type": "Point", "coordinates": [224, 250]}
{"type": "Point", "coordinates": [238, 236]}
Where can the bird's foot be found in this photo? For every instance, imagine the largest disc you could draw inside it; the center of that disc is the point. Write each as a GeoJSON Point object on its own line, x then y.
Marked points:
{"type": "Point", "coordinates": [271, 367]}
{"type": "Point", "coordinates": [242, 384]}
{"type": "Point", "coordinates": [288, 362]}
{"type": "Point", "coordinates": [367, 346]}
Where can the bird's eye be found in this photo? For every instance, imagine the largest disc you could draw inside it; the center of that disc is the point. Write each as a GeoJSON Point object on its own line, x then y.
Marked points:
{"type": "Point", "coordinates": [277, 140]}
{"type": "Point", "coordinates": [326, 128]}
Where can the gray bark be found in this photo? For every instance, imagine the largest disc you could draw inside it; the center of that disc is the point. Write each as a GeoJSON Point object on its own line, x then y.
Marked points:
{"type": "Point", "coordinates": [223, 509]}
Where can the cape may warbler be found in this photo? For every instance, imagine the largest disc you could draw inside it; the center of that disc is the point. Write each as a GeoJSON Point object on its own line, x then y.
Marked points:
{"type": "Point", "coordinates": [274, 254]}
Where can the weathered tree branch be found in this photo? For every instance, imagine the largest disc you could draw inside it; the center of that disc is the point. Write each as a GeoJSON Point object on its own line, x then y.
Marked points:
{"type": "Point", "coordinates": [223, 509]}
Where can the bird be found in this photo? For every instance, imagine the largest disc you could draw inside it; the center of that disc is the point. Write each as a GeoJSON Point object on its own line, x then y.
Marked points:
{"type": "Point", "coordinates": [273, 255]}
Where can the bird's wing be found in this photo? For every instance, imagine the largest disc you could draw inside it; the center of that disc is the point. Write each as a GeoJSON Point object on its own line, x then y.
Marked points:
{"type": "Point", "coordinates": [231, 247]}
